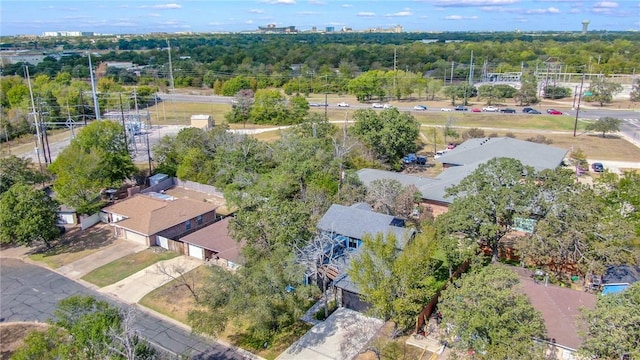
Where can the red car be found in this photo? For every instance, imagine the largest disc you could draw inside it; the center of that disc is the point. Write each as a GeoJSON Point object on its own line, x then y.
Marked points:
{"type": "Point", "coordinates": [554, 112]}
{"type": "Point", "coordinates": [475, 110]}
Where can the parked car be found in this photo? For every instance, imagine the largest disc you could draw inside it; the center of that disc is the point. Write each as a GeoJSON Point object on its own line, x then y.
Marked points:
{"type": "Point", "coordinates": [554, 112]}
{"type": "Point", "coordinates": [446, 109]}
{"type": "Point", "coordinates": [475, 110]}
{"type": "Point", "coordinates": [377, 106]}
{"type": "Point", "coordinates": [597, 167]}
{"type": "Point", "coordinates": [533, 111]}
{"type": "Point", "coordinates": [343, 104]}
{"type": "Point", "coordinates": [420, 108]}
{"type": "Point", "coordinates": [421, 160]}
{"type": "Point", "coordinates": [451, 146]}
{"type": "Point", "coordinates": [490, 109]}
{"type": "Point", "coordinates": [409, 158]}
{"type": "Point", "coordinates": [439, 153]}
{"type": "Point", "coordinates": [508, 111]}
{"type": "Point", "coordinates": [460, 108]}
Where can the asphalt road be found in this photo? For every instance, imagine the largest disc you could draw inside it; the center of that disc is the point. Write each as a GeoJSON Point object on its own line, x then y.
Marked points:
{"type": "Point", "coordinates": [31, 293]}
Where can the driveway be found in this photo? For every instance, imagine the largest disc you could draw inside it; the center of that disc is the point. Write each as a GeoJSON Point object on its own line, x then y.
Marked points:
{"type": "Point", "coordinates": [81, 267]}
{"type": "Point", "coordinates": [136, 286]}
{"type": "Point", "coordinates": [31, 293]}
{"type": "Point", "coordinates": [342, 336]}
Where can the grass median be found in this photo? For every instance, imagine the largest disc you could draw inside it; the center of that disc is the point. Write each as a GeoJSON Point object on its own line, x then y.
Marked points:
{"type": "Point", "coordinates": [126, 266]}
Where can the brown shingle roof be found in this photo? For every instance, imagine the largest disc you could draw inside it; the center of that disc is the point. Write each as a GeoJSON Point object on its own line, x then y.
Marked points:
{"type": "Point", "coordinates": [215, 237]}
{"type": "Point", "coordinates": [148, 215]}
{"type": "Point", "coordinates": [560, 308]}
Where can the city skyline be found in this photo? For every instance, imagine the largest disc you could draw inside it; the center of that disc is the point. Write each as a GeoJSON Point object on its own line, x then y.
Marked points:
{"type": "Point", "coordinates": [150, 16]}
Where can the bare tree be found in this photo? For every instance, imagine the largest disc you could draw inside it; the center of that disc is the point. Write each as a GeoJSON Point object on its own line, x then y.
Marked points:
{"type": "Point", "coordinates": [127, 342]}
{"type": "Point", "coordinates": [320, 256]}
{"type": "Point", "coordinates": [179, 273]}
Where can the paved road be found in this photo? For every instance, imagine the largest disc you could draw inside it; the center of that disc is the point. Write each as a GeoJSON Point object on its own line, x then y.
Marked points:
{"type": "Point", "coordinates": [31, 293]}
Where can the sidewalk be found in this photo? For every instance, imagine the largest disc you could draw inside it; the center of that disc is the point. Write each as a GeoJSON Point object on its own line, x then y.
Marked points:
{"type": "Point", "coordinates": [81, 267]}
{"type": "Point", "coordinates": [136, 286]}
{"type": "Point", "coordinates": [308, 316]}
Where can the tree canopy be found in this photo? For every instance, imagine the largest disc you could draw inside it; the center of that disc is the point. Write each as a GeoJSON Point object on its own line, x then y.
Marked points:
{"type": "Point", "coordinates": [27, 215]}
{"type": "Point", "coordinates": [605, 125]}
{"type": "Point", "coordinates": [488, 314]}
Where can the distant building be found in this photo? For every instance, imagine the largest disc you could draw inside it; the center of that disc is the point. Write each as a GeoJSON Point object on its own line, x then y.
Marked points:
{"type": "Point", "coordinates": [67, 33]}
{"type": "Point", "coordinates": [585, 26]}
{"type": "Point", "coordinates": [272, 28]}
{"type": "Point", "coordinates": [330, 29]}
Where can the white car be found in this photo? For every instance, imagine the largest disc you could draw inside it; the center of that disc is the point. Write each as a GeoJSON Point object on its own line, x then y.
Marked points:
{"type": "Point", "coordinates": [387, 106]}
{"type": "Point", "coordinates": [377, 106]}
{"type": "Point", "coordinates": [343, 104]}
{"type": "Point", "coordinates": [446, 109]}
{"type": "Point", "coordinates": [490, 109]}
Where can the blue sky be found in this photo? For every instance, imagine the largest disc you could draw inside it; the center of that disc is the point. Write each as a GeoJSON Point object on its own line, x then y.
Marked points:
{"type": "Point", "coordinates": [145, 16]}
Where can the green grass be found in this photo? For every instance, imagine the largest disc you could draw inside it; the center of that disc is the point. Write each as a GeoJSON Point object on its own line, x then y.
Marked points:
{"type": "Point", "coordinates": [125, 267]}
{"type": "Point", "coordinates": [505, 121]}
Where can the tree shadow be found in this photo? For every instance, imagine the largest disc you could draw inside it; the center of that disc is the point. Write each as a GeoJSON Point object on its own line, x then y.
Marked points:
{"type": "Point", "coordinates": [75, 240]}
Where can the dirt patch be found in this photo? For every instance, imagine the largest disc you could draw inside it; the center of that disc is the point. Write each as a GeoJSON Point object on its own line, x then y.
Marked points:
{"type": "Point", "coordinates": [13, 334]}
{"type": "Point", "coordinates": [73, 245]}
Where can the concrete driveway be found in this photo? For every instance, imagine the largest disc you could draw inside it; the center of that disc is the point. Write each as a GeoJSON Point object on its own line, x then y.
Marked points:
{"type": "Point", "coordinates": [81, 267]}
{"type": "Point", "coordinates": [342, 336]}
{"type": "Point", "coordinates": [136, 286]}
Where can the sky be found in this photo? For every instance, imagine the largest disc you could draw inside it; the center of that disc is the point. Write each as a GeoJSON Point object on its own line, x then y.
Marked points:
{"type": "Point", "coordinates": [30, 17]}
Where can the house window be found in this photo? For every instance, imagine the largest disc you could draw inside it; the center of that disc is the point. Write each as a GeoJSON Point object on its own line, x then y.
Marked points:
{"type": "Point", "coordinates": [188, 224]}
{"type": "Point", "coordinates": [199, 220]}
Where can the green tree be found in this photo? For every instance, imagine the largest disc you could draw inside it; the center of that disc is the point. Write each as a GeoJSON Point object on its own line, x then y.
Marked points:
{"type": "Point", "coordinates": [368, 86]}
{"type": "Point", "coordinates": [528, 92]}
{"type": "Point", "coordinates": [27, 215]}
{"type": "Point", "coordinates": [612, 327]}
{"type": "Point", "coordinates": [556, 92]}
{"type": "Point", "coordinates": [14, 170]}
{"type": "Point", "coordinates": [603, 90]}
{"type": "Point", "coordinates": [233, 85]}
{"type": "Point", "coordinates": [389, 133]}
{"type": "Point", "coordinates": [489, 314]}
{"type": "Point", "coordinates": [398, 279]}
{"type": "Point", "coordinates": [269, 107]}
{"type": "Point", "coordinates": [96, 159]}
{"type": "Point", "coordinates": [605, 125]}
{"type": "Point", "coordinates": [89, 329]}
{"type": "Point", "coordinates": [488, 201]}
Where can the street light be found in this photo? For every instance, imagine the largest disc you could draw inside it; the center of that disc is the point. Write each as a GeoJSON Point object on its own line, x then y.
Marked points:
{"type": "Point", "coordinates": [575, 124]}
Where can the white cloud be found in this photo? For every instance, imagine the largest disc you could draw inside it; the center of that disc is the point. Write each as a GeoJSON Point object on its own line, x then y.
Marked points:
{"type": "Point", "coordinates": [549, 10]}
{"type": "Point", "coordinates": [163, 6]}
{"type": "Point", "coordinates": [346, 5]}
{"type": "Point", "coordinates": [400, 14]}
{"type": "Point", "coordinates": [606, 4]}
{"type": "Point", "coordinates": [316, 2]}
{"type": "Point", "coordinates": [307, 13]}
{"type": "Point", "coordinates": [154, 14]}
{"type": "Point", "coordinates": [460, 17]}
{"type": "Point", "coordinates": [366, 14]}
{"type": "Point", "coordinates": [249, 22]}
{"type": "Point", "coordinates": [256, 11]}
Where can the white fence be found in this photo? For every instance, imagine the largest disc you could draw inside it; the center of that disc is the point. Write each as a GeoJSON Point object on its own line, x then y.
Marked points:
{"type": "Point", "coordinates": [89, 221]}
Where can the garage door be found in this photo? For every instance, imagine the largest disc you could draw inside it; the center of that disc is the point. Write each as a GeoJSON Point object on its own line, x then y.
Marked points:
{"type": "Point", "coordinates": [196, 252]}
{"type": "Point", "coordinates": [140, 239]}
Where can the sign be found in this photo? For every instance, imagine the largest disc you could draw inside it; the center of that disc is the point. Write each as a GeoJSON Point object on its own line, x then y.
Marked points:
{"type": "Point", "coordinates": [588, 93]}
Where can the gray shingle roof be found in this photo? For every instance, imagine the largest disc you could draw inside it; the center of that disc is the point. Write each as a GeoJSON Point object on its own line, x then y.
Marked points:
{"type": "Point", "coordinates": [466, 158]}
{"type": "Point", "coordinates": [539, 156]}
{"type": "Point", "coordinates": [354, 222]}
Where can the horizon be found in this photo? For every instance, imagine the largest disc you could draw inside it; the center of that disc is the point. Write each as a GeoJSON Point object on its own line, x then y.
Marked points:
{"type": "Point", "coordinates": [35, 17]}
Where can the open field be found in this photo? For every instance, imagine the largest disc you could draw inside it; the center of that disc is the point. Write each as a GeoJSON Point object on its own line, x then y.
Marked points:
{"type": "Point", "coordinates": [74, 245]}
{"type": "Point", "coordinates": [126, 266]}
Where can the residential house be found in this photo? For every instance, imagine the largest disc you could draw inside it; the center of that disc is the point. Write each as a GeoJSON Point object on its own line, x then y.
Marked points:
{"type": "Point", "coordinates": [153, 217]}
{"type": "Point", "coordinates": [619, 277]}
{"type": "Point", "coordinates": [464, 160]}
{"type": "Point", "coordinates": [213, 243]}
{"type": "Point", "coordinates": [349, 224]}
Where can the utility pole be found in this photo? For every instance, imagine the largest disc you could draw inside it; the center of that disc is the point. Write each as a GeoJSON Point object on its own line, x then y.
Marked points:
{"type": "Point", "coordinates": [124, 126]}
{"type": "Point", "coordinates": [96, 106]}
{"type": "Point", "coordinates": [471, 71]}
{"type": "Point", "coordinates": [451, 78]}
{"type": "Point", "coordinates": [575, 124]}
{"type": "Point", "coordinates": [170, 66]}
{"type": "Point", "coordinates": [35, 116]}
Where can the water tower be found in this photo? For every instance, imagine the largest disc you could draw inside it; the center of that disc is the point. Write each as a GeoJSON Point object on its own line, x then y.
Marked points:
{"type": "Point", "coordinates": [585, 26]}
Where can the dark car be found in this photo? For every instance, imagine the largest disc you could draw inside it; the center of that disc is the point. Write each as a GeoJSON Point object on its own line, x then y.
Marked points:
{"type": "Point", "coordinates": [508, 111]}
{"type": "Point", "coordinates": [526, 110]}
{"type": "Point", "coordinates": [597, 167]}
{"type": "Point", "coordinates": [533, 111]}
{"type": "Point", "coordinates": [421, 160]}
{"type": "Point", "coordinates": [460, 108]}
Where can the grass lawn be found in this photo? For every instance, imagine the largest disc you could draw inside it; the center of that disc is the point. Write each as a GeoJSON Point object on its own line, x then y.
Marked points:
{"type": "Point", "coordinates": [74, 245]}
{"type": "Point", "coordinates": [126, 266]}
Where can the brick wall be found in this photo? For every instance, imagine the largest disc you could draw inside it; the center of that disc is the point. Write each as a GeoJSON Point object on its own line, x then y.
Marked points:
{"type": "Point", "coordinates": [179, 230]}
